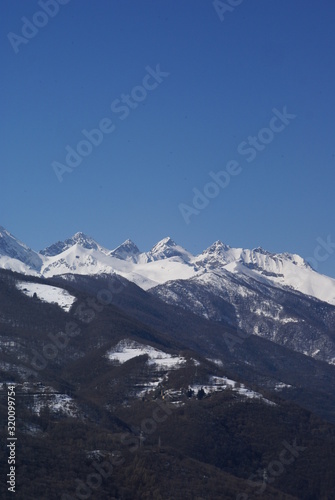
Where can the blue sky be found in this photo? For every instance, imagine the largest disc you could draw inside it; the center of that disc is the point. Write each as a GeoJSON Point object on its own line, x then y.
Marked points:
{"type": "Point", "coordinates": [222, 80]}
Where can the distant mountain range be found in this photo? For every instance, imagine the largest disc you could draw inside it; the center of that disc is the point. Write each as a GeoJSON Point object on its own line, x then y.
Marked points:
{"type": "Point", "coordinates": [198, 371]}
{"type": "Point", "coordinates": [275, 296]}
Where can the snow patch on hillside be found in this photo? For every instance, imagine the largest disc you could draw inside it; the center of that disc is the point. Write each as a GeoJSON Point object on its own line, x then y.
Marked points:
{"type": "Point", "coordinates": [280, 385]}
{"type": "Point", "coordinates": [56, 403]}
{"type": "Point", "coordinates": [47, 293]}
{"type": "Point", "coordinates": [16, 265]}
{"type": "Point", "coordinates": [128, 349]}
{"type": "Point", "coordinates": [218, 384]}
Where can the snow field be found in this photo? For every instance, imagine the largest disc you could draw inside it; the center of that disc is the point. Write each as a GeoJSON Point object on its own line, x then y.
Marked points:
{"type": "Point", "coordinates": [128, 349]}
{"type": "Point", "coordinates": [47, 293]}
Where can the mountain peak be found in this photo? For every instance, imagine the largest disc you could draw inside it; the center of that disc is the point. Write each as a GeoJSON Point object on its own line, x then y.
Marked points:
{"type": "Point", "coordinates": [167, 248]}
{"type": "Point", "coordinates": [218, 245]}
{"type": "Point", "coordinates": [126, 251]}
{"type": "Point", "coordinates": [78, 238]}
{"type": "Point", "coordinates": [168, 241]}
{"type": "Point", "coordinates": [83, 240]}
{"type": "Point", "coordinates": [14, 249]}
{"type": "Point", "coordinates": [79, 235]}
{"type": "Point", "coordinates": [261, 251]}
{"type": "Point", "coordinates": [296, 259]}
{"type": "Point", "coordinates": [216, 254]}
{"type": "Point", "coordinates": [165, 242]}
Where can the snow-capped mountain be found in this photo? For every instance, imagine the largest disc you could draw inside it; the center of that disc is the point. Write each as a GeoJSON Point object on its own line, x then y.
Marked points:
{"type": "Point", "coordinates": [79, 238]}
{"type": "Point", "coordinates": [282, 269]}
{"type": "Point", "coordinates": [127, 251]}
{"type": "Point", "coordinates": [143, 270]}
{"type": "Point", "coordinates": [167, 249]}
{"type": "Point", "coordinates": [164, 249]}
{"type": "Point", "coordinates": [139, 364]}
{"type": "Point", "coordinates": [165, 262]}
{"type": "Point", "coordinates": [16, 256]}
{"type": "Point", "coordinates": [276, 296]}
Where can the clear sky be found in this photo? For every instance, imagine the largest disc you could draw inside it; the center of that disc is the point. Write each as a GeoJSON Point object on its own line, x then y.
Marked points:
{"type": "Point", "coordinates": [213, 96]}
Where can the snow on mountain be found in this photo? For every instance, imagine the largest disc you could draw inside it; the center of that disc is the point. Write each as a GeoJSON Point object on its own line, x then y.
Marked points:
{"type": "Point", "coordinates": [47, 293]}
{"type": "Point", "coordinates": [219, 384]}
{"type": "Point", "coordinates": [166, 262]}
{"type": "Point", "coordinates": [12, 250]}
{"type": "Point", "coordinates": [254, 306]}
{"type": "Point", "coordinates": [127, 251]}
{"type": "Point", "coordinates": [57, 403]}
{"type": "Point", "coordinates": [284, 270]}
{"type": "Point", "coordinates": [77, 239]}
{"type": "Point", "coordinates": [159, 363]}
{"type": "Point", "coordinates": [156, 272]}
{"type": "Point", "coordinates": [46, 395]}
{"type": "Point", "coordinates": [82, 255]}
{"type": "Point", "coordinates": [127, 349]}
{"type": "Point", "coordinates": [166, 249]}
{"type": "Point", "coordinates": [216, 255]}
{"type": "Point", "coordinates": [17, 266]}
{"type": "Point", "coordinates": [220, 254]}
{"type": "Point", "coordinates": [256, 291]}
{"type": "Point", "coordinates": [79, 260]}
